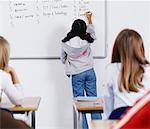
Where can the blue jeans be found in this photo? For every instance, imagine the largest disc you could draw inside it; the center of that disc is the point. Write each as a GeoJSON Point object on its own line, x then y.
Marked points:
{"type": "Point", "coordinates": [85, 82]}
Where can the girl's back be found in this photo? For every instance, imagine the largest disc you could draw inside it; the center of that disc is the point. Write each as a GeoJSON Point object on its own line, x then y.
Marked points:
{"type": "Point", "coordinates": [76, 53]}
{"type": "Point", "coordinates": [79, 59]}
{"type": "Point", "coordinates": [115, 98]}
{"type": "Point", "coordinates": [124, 98]}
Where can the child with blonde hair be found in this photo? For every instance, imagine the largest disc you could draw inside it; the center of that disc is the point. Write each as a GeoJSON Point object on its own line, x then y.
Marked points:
{"type": "Point", "coordinates": [9, 82]}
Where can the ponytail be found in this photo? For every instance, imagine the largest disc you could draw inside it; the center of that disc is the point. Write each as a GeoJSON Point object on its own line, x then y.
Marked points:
{"type": "Point", "coordinates": [79, 29]}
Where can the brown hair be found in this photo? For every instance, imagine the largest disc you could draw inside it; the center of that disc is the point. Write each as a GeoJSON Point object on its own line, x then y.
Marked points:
{"type": "Point", "coordinates": [129, 50]}
{"type": "Point", "coordinates": [4, 53]}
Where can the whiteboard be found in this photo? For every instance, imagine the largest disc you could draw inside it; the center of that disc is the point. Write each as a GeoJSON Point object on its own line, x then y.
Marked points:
{"type": "Point", "coordinates": [35, 28]}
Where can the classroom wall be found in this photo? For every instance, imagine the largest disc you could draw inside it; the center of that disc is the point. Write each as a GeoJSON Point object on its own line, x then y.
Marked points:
{"type": "Point", "coordinates": [46, 78]}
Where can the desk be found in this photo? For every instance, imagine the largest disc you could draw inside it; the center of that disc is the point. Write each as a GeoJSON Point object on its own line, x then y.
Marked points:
{"type": "Point", "coordinates": [29, 104]}
{"type": "Point", "coordinates": [84, 107]}
{"type": "Point", "coordinates": [102, 124]}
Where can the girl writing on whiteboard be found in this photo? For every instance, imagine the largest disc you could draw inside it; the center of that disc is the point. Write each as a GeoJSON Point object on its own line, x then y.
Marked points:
{"type": "Point", "coordinates": [78, 60]}
{"type": "Point", "coordinates": [9, 82]}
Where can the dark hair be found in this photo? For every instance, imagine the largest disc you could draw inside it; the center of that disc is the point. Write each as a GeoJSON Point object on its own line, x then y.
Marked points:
{"type": "Point", "coordinates": [129, 51]}
{"type": "Point", "coordinates": [78, 29]}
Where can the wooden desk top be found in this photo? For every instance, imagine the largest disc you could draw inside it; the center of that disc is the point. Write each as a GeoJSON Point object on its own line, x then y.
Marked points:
{"type": "Point", "coordinates": [103, 124]}
{"type": "Point", "coordinates": [28, 104]}
{"type": "Point", "coordinates": [90, 105]}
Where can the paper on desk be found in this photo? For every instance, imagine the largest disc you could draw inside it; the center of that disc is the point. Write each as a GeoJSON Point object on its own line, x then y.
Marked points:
{"type": "Point", "coordinates": [86, 99]}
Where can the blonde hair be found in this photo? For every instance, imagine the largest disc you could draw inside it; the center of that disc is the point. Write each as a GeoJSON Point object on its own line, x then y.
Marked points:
{"type": "Point", "coordinates": [129, 51]}
{"type": "Point", "coordinates": [4, 53]}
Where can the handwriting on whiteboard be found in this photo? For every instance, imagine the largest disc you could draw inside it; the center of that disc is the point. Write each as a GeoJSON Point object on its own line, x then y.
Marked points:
{"type": "Point", "coordinates": [34, 11]}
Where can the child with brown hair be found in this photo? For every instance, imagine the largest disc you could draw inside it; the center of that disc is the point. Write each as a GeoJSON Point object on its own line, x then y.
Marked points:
{"type": "Point", "coordinates": [128, 75]}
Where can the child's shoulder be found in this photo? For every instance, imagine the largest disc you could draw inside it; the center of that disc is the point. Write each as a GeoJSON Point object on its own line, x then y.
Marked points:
{"type": "Point", "coordinates": [111, 69]}
{"type": "Point", "coordinates": [112, 66]}
{"type": "Point", "coordinates": [3, 74]}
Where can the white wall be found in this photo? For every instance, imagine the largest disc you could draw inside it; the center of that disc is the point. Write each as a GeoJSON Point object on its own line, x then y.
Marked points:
{"type": "Point", "coordinates": [46, 78]}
